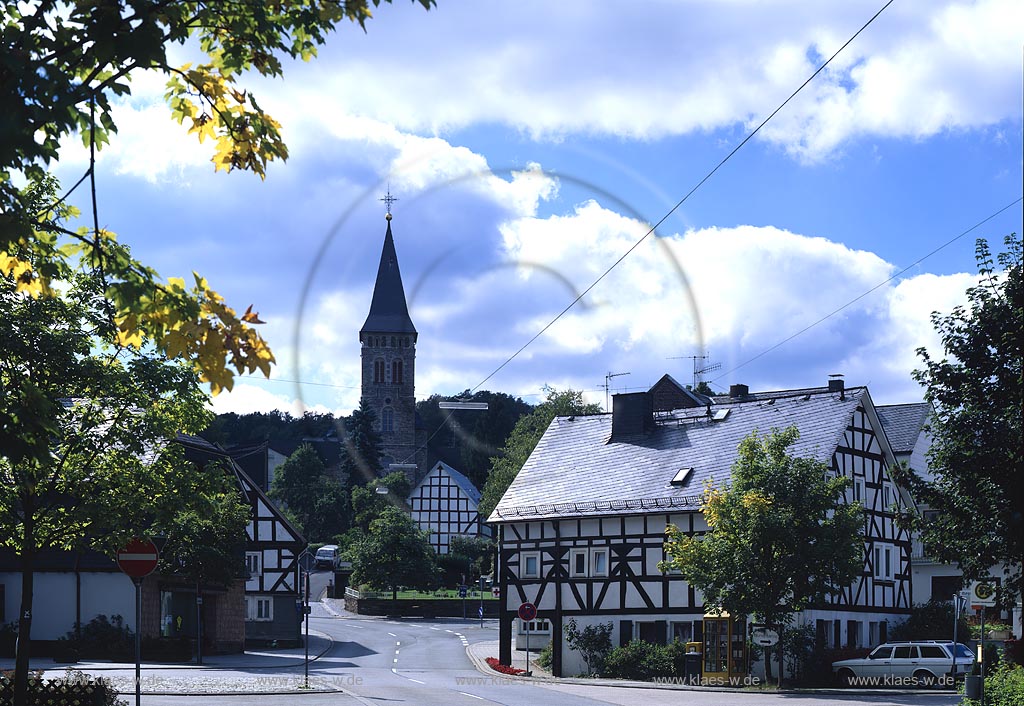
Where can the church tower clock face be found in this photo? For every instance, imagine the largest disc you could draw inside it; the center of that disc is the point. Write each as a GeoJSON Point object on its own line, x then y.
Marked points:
{"type": "Point", "coordinates": [388, 350]}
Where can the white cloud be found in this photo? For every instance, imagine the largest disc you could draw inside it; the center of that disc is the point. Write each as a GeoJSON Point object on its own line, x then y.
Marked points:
{"type": "Point", "coordinates": [246, 398]}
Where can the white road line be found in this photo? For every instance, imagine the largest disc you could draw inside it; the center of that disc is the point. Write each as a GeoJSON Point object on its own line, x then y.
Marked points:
{"type": "Point", "coordinates": [415, 680]}
{"type": "Point", "coordinates": [398, 644]}
{"type": "Point", "coordinates": [473, 695]}
{"type": "Point", "coordinates": [392, 634]}
{"type": "Point", "coordinates": [395, 659]}
{"type": "Point", "coordinates": [354, 627]}
{"type": "Point", "coordinates": [396, 652]}
{"type": "Point", "coordinates": [449, 631]}
{"type": "Point", "coordinates": [435, 628]}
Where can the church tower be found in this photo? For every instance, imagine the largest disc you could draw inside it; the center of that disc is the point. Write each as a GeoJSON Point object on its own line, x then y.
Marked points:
{"type": "Point", "coordinates": [388, 353]}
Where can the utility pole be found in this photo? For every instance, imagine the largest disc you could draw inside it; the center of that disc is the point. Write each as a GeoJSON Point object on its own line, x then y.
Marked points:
{"type": "Point", "coordinates": [607, 385]}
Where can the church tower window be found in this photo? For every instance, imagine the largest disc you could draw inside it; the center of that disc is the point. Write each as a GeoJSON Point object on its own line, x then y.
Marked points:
{"type": "Point", "coordinates": [387, 421]}
{"type": "Point", "coordinates": [378, 371]}
{"type": "Point", "coordinates": [396, 372]}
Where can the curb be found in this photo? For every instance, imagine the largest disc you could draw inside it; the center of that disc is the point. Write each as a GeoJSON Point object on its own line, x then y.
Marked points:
{"type": "Point", "coordinates": [484, 668]}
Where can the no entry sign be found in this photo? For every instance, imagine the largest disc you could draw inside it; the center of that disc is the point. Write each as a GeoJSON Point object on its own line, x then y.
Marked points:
{"type": "Point", "coordinates": [138, 558]}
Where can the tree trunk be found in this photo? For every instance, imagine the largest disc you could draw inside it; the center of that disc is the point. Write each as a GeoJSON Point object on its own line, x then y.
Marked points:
{"type": "Point", "coordinates": [25, 614]}
{"type": "Point", "coordinates": [782, 657]}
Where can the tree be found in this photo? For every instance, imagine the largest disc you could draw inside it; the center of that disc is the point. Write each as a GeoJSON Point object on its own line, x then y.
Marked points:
{"type": "Point", "coordinates": [977, 396]}
{"type": "Point", "coordinates": [368, 504]}
{"type": "Point", "coordinates": [230, 428]}
{"type": "Point", "coordinates": [317, 503]}
{"type": "Point", "coordinates": [394, 553]}
{"type": "Point", "coordinates": [468, 439]}
{"type": "Point", "coordinates": [85, 424]}
{"type": "Point", "coordinates": [593, 642]}
{"type": "Point", "coordinates": [523, 439]}
{"type": "Point", "coordinates": [361, 447]}
{"type": "Point", "coordinates": [468, 559]}
{"type": "Point", "coordinates": [63, 63]}
{"type": "Point", "coordinates": [780, 536]}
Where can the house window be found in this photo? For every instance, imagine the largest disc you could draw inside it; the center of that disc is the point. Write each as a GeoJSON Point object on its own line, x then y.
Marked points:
{"type": "Point", "coordinates": [853, 636]}
{"type": "Point", "coordinates": [538, 625]}
{"type": "Point", "coordinates": [396, 372]}
{"type": "Point", "coordinates": [883, 562]}
{"type": "Point", "coordinates": [529, 565]}
{"type": "Point", "coordinates": [858, 490]}
{"type": "Point", "coordinates": [599, 562]}
{"type": "Point", "coordinates": [378, 371]}
{"type": "Point", "coordinates": [387, 421]}
{"type": "Point", "coordinates": [259, 608]}
{"type": "Point", "coordinates": [254, 564]}
{"type": "Point", "coordinates": [578, 562]}
{"type": "Point", "coordinates": [886, 496]}
{"type": "Point", "coordinates": [688, 631]}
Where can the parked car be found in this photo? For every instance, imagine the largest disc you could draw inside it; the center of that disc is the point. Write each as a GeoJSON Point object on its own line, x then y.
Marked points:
{"type": "Point", "coordinates": [911, 663]}
{"type": "Point", "coordinates": [327, 557]}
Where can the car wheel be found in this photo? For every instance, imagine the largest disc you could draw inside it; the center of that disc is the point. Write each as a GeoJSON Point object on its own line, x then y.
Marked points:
{"type": "Point", "coordinates": [845, 677]}
{"type": "Point", "coordinates": [924, 679]}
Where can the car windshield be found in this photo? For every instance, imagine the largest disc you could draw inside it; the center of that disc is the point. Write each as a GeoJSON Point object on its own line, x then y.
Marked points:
{"type": "Point", "coordinates": [882, 652]}
{"type": "Point", "coordinates": [963, 650]}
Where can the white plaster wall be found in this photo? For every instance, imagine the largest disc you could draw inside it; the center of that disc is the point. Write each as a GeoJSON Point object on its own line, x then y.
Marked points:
{"type": "Point", "coordinates": [53, 600]}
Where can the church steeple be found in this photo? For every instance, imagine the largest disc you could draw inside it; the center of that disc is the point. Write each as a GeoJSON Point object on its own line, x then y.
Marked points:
{"type": "Point", "coordinates": [388, 310]}
{"type": "Point", "coordinates": [388, 352]}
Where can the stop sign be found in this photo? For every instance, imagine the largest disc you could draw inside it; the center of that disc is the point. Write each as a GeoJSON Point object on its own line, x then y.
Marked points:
{"type": "Point", "coordinates": [138, 558]}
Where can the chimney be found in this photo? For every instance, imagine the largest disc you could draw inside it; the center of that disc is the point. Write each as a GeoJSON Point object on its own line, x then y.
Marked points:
{"type": "Point", "coordinates": [632, 415]}
{"type": "Point", "coordinates": [738, 390]}
{"type": "Point", "coordinates": [836, 384]}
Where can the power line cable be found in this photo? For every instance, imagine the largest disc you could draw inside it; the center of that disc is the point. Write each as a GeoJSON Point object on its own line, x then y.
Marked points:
{"type": "Point", "coordinates": [682, 200]}
{"type": "Point", "coordinates": [832, 313]}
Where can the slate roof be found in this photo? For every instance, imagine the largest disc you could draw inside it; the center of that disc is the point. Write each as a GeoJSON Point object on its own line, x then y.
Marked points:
{"type": "Point", "coordinates": [576, 470]}
{"type": "Point", "coordinates": [388, 310]}
{"type": "Point", "coordinates": [462, 481]}
{"type": "Point", "coordinates": [902, 424]}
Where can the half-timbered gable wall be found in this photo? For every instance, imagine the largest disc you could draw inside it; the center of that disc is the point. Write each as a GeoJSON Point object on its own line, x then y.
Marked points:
{"type": "Point", "coordinates": [445, 504]}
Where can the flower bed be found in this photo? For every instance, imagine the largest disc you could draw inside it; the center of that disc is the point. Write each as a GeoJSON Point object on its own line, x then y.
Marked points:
{"type": "Point", "coordinates": [499, 667]}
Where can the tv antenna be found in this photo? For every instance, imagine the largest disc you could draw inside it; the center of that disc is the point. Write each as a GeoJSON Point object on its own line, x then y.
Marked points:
{"type": "Point", "coordinates": [607, 385]}
{"type": "Point", "coordinates": [699, 366]}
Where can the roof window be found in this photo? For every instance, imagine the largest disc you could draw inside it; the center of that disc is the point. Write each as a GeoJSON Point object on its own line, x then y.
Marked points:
{"type": "Point", "coordinates": [680, 478]}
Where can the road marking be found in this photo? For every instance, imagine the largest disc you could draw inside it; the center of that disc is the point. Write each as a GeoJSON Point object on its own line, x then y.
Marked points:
{"type": "Point", "coordinates": [396, 652]}
{"type": "Point", "coordinates": [435, 628]}
{"type": "Point", "coordinates": [395, 659]}
{"type": "Point", "coordinates": [392, 634]}
{"type": "Point", "coordinates": [354, 627]}
{"type": "Point", "coordinates": [450, 631]}
{"type": "Point", "coordinates": [398, 644]}
{"type": "Point", "coordinates": [473, 695]}
{"type": "Point", "coordinates": [415, 680]}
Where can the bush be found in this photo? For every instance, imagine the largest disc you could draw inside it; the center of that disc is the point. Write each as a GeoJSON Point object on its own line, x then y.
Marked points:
{"type": "Point", "coordinates": [103, 638]}
{"type": "Point", "coordinates": [1005, 687]}
{"type": "Point", "coordinates": [593, 642]}
{"type": "Point", "coordinates": [544, 657]}
{"type": "Point", "coordinates": [72, 689]}
{"type": "Point", "coordinates": [638, 660]}
{"type": "Point", "coordinates": [930, 621]}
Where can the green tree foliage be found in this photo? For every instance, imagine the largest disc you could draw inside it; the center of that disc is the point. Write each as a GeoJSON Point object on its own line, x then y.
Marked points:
{"type": "Point", "coordinates": [523, 439]}
{"type": "Point", "coordinates": [593, 642]}
{"type": "Point", "coordinates": [317, 503]}
{"type": "Point", "coordinates": [394, 553]}
{"type": "Point", "coordinates": [85, 424]}
{"type": "Point", "coordinates": [781, 538]}
{"type": "Point", "coordinates": [361, 448]}
{"type": "Point", "coordinates": [229, 429]}
{"type": "Point", "coordinates": [468, 559]}
{"type": "Point", "coordinates": [64, 62]}
{"type": "Point", "coordinates": [977, 395]}
{"type": "Point", "coordinates": [468, 439]}
{"type": "Point", "coordinates": [368, 504]}
{"type": "Point", "coordinates": [929, 620]}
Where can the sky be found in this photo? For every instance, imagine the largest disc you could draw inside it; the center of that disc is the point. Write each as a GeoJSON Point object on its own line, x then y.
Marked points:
{"type": "Point", "coordinates": [531, 144]}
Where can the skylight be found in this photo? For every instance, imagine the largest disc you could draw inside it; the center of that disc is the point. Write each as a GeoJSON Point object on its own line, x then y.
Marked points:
{"type": "Point", "coordinates": [721, 414]}
{"type": "Point", "coordinates": [680, 477]}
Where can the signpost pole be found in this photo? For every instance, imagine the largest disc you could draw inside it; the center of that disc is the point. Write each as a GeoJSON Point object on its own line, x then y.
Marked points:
{"type": "Point", "coordinates": [138, 641]}
{"type": "Point", "coordinates": [305, 609]}
{"type": "Point", "coordinates": [199, 624]}
{"type": "Point", "coordinates": [527, 660]}
{"type": "Point", "coordinates": [481, 602]}
{"type": "Point", "coordinates": [981, 656]}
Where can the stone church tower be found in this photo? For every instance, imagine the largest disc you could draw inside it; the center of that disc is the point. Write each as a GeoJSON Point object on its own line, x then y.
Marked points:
{"type": "Point", "coordinates": [388, 352]}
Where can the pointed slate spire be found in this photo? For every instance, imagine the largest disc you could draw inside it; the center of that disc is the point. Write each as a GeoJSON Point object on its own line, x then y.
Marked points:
{"type": "Point", "coordinates": [388, 310]}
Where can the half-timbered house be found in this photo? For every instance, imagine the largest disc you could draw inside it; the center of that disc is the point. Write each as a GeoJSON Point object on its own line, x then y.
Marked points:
{"type": "Point", "coordinates": [582, 527]}
{"type": "Point", "coordinates": [445, 504]}
{"type": "Point", "coordinates": [272, 585]}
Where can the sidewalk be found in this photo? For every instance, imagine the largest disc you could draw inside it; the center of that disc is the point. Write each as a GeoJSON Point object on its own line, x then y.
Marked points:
{"type": "Point", "coordinates": [479, 652]}
{"type": "Point", "coordinates": [253, 672]}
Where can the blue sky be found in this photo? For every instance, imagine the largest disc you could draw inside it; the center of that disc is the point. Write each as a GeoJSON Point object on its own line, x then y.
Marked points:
{"type": "Point", "coordinates": [530, 144]}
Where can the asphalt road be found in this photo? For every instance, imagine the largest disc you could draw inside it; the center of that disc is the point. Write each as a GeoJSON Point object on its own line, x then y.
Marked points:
{"type": "Point", "coordinates": [398, 662]}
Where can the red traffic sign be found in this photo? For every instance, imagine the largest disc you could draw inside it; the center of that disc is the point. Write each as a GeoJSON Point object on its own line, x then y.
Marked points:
{"type": "Point", "coordinates": [527, 612]}
{"type": "Point", "coordinates": [138, 558]}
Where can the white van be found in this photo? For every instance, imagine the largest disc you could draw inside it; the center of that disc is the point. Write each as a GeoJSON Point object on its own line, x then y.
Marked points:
{"type": "Point", "coordinates": [327, 557]}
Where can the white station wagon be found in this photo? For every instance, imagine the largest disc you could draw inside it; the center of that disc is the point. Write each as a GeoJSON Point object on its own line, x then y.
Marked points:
{"type": "Point", "coordinates": [911, 663]}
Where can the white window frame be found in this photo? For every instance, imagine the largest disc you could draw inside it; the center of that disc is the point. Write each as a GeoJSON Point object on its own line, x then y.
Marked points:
{"type": "Point", "coordinates": [594, 571]}
{"type": "Point", "coordinates": [254, 564]}
{"type": "Point", "coordinates": [886, 497]}
{"type": "Point", "coordinates": [858, 491]}
{"type": "Point", "coordinates": [574, 555]}
{"type": "Point", "coordinates": [259, 609]}
{"type": "Point", "coordinates": [883, 564]}
{"type": "Point", "coordinates": [524, 557]}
